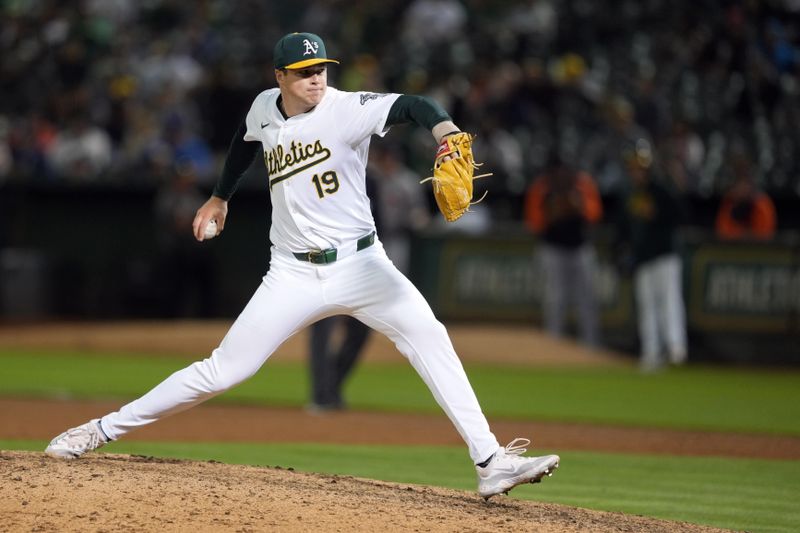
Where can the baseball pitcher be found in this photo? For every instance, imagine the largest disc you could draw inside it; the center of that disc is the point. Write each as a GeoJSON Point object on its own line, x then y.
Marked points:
{"type": "Point", "coordinates": [326, 258]}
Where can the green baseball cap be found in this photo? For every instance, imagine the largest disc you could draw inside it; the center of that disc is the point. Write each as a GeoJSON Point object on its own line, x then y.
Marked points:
{"type": "Point", "coordinates": [300, 50]}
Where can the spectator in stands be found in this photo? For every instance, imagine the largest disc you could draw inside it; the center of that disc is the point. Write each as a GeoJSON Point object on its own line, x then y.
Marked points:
{"type": "Point", "coordinates": [80, 151]}
{"type": "Point", "coordinates": [596, 76]}
{"type": "Point", "coordinates": [30, 139]}
{"type": "Point", "coordinates": [683, 153]}
{"type": "Point", "coordinates": [505, 156]}
{"type": "Point", "coordinates": [433, 22]}
{"type": "Point", "coordinates": [601, 153]}
{"type": "Point", "coordinates": [648, 230]}
{"type": "Point", "coordinates": [5, 149]}
{"type": "Point", "coordinates": [745, 211]}
{"type": "Point", "coordinates": [560, 207]}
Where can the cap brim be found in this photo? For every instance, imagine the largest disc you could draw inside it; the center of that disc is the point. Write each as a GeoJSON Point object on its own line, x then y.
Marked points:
{"type": "Point", "coordinates": [310, 62]}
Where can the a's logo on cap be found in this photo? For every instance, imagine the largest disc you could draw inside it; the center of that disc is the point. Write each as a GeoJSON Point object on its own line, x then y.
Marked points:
{"type": "Point", "coordinates": [311, 48]}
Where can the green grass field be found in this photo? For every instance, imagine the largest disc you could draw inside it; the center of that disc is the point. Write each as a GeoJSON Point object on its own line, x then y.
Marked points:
{"type": "Point", "coordinates": [742, 494]}
{"type": "Point", "coordinates": [745, 400]}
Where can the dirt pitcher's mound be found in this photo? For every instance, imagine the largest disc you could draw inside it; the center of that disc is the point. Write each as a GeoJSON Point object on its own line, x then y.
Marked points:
{"type": "Point", "coordinates": [106, 492]}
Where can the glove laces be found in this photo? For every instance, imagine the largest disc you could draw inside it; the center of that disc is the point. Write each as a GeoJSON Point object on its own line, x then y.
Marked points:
{"type": "Point", "coordinates": [476, 165]}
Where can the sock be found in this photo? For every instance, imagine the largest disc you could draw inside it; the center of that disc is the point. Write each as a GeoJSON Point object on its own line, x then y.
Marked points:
{"type": "Point", "coordinates": [486, 462]}
{"type": "Point", "coordinates": [102, 432]}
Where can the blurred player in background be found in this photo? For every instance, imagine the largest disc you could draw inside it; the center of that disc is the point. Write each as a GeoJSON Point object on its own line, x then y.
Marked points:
{"type": "Point", "coordinates": [560, 207]}
{"type": "Point", "coordinates": [332, 358]}
{"type": "Point", "coordinates": [650, 214]}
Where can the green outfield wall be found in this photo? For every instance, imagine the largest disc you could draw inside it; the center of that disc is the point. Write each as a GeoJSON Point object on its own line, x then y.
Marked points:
{"type": "Point", "coordinates": [742, 299]}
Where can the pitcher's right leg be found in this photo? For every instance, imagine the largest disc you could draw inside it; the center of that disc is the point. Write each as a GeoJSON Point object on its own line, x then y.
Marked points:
{"type": "Point", "coordinates": [242, 352]}
{"type": "Point", "coordinates": [288, 299]}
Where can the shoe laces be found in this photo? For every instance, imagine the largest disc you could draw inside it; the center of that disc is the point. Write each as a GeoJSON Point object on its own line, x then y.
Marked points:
{"type": "Point", "coordinates": [83, 435]}
{"type": "Point", "coordinates": [516, 448]}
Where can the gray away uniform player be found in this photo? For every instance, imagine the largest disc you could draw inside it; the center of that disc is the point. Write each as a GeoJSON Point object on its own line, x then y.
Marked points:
{"type": "Point", "coordinates": [325, 260]}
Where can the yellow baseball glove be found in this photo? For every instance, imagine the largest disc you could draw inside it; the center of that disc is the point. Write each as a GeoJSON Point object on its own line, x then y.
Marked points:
{"type": "Point", "coordinates": [453, 171]}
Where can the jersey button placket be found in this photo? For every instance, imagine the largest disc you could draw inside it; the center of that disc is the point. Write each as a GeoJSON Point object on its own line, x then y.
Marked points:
{"type": "Point", "coordinates": [287, 189]}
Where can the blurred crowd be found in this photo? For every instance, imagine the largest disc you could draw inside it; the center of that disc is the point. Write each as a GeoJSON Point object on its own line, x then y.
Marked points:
{"type": "Point", "coordinates": [135, 92]}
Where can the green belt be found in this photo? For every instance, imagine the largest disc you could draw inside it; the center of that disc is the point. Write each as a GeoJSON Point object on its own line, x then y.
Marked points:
{"type": "Point", "coordinates": [323, 257]}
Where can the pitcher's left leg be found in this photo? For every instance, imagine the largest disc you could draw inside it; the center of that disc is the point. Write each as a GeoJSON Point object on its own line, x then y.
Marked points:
{"type": "Point", "coordinates": [386, 301]}
{"type": "Point", "coordinates": [377, 293]}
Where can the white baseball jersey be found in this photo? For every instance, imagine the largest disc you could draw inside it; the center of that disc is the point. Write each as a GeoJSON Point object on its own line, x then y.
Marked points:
{"type": "Point", "coordinates": [316, 163]}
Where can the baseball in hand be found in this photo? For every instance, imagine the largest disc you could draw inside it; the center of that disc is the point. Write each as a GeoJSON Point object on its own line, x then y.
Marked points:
{"type": "Point", "coordinates": [211, 229]}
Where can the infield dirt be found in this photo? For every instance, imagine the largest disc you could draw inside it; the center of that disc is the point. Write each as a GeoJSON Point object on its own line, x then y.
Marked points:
{"type": "Point", "coordinates": [130, 493]}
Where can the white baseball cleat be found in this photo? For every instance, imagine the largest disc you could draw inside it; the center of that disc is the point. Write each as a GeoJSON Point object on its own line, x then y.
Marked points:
{"type": "Point", "coordinates": [508, 468]}
{"type": "Point", "coordinates": [77, 441]}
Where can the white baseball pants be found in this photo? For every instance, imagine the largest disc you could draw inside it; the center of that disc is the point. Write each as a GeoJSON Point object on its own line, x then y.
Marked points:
{"type": "Point", "coordinates": [660, 308]}
{"type": "Point", "coordinates": [293, 295]}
